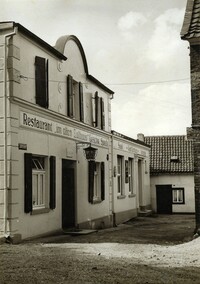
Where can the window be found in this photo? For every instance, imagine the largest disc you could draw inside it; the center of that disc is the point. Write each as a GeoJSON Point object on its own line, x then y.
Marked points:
{"type": "Point", "coordinates": [120, 175]}
{"type": "Point", "coordinates": [178, 196]}
{"type": "Point", "coordinates": [40, 182]}
{"type": "Point", "coordinates": [130, 175]}
{"type": "Point", "coordinates": [98, 112]}
{"type": "Point", "coordinates": [96, 182]}
{"type": "Point", "coordinates": [41, 82]}
{"type": "Point", "coordinates": [75, 107]}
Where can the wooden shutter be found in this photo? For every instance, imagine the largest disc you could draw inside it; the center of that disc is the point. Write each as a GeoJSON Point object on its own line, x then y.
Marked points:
{"type": "Point", "coordinates": [47, 83]}
{"type": "Point", "coordinates": [41, 76]}
{"type": "Point", "coordinates": [126, 172]}
{"type": "Point", "coordinates": [52, 199]}
{"type": "Point", "coordinates": [96, 109]}
{"type": "Point", "coordinates": [102, 180]}
{"type": "Point", "coordinates": [91, 169]}
{"type": "Point", "coordinates": [28, 183]}
{"type": "Point", "coordinates": [102, 114]}
{"type": "Point", "coordinates": [81, 102]}
{"type": "Point", "coordinates": [70, 111]}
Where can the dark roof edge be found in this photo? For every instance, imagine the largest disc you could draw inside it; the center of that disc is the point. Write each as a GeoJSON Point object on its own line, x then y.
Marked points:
{"type": "Point", "coordinates": [60, 46]}
{"type": "Point", "coordinates": [187, 19]}
{"type": "Point", "coordinates": [98, 83]}
{"type": "Point", "coordinates": [40, 41]}
{"type": "Point", "coordinates": [117, 134]}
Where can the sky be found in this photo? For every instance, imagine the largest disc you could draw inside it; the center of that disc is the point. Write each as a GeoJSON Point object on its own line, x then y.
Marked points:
{"type": "Point", "coordinates": [132, 46]}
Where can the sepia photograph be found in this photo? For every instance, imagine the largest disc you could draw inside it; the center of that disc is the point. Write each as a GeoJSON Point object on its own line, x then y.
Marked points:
{"type": "Point", "coordinates": [99, 141]}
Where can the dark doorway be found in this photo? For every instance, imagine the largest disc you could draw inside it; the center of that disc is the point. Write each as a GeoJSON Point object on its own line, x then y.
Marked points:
{"type": "Point", "coordinates": [164, 199]}
{"type": "Point", "coordinates": [68, 194]}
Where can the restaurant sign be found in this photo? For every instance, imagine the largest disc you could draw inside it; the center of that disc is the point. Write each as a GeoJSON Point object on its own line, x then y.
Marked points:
{"type": "Point", "coordinates": [32, 121]}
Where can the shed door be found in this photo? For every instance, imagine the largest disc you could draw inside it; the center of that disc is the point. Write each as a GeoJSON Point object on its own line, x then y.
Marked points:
{"type": "Point", "coordinates": [164, 199]}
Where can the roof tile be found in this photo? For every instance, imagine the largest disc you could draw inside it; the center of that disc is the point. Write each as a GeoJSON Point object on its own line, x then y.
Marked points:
{"type": "Point", "coordinates": [163, 148]}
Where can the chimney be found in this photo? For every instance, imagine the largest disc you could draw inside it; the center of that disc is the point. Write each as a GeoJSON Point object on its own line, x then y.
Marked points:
{"type": "Point", "coordinates": [140, 136]}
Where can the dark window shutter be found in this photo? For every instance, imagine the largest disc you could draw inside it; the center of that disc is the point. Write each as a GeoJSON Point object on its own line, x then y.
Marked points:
{"type": "Point", "coordinates": [52, 203]}
{"type": "Point", "coordinates": [102, 180]}
{"type": "Point", "coordinates": [102, 114]}
{"type": "Point", "coordinates": [96, 109]}
{"type": "Point", "coordinates": [91, 166]}
{"type": "Point", "coordinates": [47, 84]}
{"type": "Point", "coordinates": [28, 183]}
{"type": "Point", "coordinates": [70, 96]}
{"type": "Point", "coordinates": [41, 81]}
{"type": "Point", "coordinates": [126, 172]}
{"type": "Point", "coordinates": [81, 102]}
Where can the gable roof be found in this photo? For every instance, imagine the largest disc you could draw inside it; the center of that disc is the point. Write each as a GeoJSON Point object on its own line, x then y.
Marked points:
{"type": "Point", "coordinates": [191, 23]}
{"type": "Point", "coordinates": [170, 154]}
{"type": "Point", "coordinates": [32, 36]}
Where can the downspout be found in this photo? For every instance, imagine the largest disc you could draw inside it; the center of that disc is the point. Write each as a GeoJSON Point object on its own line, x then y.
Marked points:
{"type": "Point", "coordinates": [5, 137]}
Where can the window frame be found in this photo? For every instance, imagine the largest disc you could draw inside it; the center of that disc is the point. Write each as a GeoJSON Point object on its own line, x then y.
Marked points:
{"type": "Point", "coordinates": [120, 176]}
{"type": "Point", "coordinates": [178, 190]}
{"type": "Point", "coordinates": [75, 100]}
{"type": "Point", "coordinates": [131, 175]}
{"type": "Point", "coordinates": [41, 171]}
{"type": "Point", "coordinates": [48, 170]}
{"type": "Point", "coordinates": [96, 182]}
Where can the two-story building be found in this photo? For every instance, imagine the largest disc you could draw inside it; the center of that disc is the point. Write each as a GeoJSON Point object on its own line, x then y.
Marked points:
{"type": "Point", "coordinates": [51, 110]}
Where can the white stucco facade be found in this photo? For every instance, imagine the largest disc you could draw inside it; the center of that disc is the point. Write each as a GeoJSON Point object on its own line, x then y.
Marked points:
{"type": "Point", "coordinates": [45, 143]}
{"type": "Point", "coordinates": [184, 181]}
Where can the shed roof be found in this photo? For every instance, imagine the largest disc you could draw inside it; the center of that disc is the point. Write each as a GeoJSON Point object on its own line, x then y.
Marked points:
{"type": "Point", "coordinates": [170, 154]}
{"type": "Point", "coordinates": [191, 23]}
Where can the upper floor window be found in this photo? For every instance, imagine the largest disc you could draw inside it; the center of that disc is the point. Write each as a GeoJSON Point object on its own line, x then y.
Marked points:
{"type": "Point", "coordinates": [98, 112]}
{"type": "Point", "coordinates": [75, 107]}
{"type": "Point", "coordinates": [41, 81]}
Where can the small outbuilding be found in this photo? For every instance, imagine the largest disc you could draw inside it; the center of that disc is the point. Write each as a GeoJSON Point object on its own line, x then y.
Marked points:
{"type": "Point", "coordinates": [171, 174]}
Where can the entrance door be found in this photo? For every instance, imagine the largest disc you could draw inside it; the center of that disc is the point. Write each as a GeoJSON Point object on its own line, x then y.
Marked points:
{"type": "Point", "coordinates": [68, 194]}
{"type": "Point", "coordinates": [164, 199]}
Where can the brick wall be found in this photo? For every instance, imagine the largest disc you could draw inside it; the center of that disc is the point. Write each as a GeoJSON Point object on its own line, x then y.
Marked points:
{"type": "Point", "coordinates": [194, 133]}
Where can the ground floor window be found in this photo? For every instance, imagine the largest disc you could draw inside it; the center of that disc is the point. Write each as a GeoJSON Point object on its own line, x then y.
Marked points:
{"type": "Point", "coordinates": [39, 182]}
{"type": "Point", "coordinates": [178, 196]}
{"type": "Point", "coordinates": [130, 175]}
{"type": "Point", "coordinates": [120, 175]}
{"type": "Point", "coordinates": [96, 181]}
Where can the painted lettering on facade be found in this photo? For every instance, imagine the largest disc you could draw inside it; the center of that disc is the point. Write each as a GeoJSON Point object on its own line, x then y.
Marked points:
{"type": "Point", "coordinates": [42, 124]}
{"type": "Point", "coordinates": [80, 135]}
{"type": "Point", "coordinates": [36, 123]}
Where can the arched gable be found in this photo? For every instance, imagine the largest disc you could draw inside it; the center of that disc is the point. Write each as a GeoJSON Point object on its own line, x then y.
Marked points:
{"type": "Point", "coordinates": [60, 46]}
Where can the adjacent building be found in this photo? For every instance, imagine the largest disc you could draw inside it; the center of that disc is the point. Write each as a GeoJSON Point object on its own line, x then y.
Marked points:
{"type": "Point", "coordinates": [51, 109]}
{"type": "Point", "coordinates": [171, 174]}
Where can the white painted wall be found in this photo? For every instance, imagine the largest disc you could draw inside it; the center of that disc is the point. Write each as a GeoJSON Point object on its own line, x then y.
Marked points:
{"type": "Point", "coordinates": [185, 181]}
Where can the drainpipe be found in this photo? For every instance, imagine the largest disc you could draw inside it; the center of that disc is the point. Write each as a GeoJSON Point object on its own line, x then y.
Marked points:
{"type": "Point", "coordinates": [5, 136]}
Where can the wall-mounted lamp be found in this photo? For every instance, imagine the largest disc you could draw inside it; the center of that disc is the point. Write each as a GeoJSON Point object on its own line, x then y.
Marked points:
{"type": "Point", "coordinates": [89, 152]}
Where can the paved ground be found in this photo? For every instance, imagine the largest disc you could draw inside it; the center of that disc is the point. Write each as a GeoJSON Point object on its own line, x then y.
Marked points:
{"type": "Point", "coordinates": [162, 229]}
{"type": "Point", "coordinates": [144, 250]}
